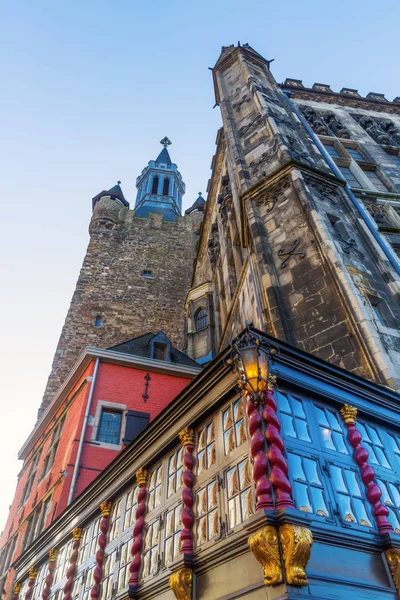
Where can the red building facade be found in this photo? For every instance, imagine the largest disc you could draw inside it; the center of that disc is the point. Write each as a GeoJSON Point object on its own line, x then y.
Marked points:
{"type": "Point", "coordinates": [108, 399]}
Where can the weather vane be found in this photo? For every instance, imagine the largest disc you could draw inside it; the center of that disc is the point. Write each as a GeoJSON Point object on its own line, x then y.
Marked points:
{"type": "Point", "coordinates": [165, 141]}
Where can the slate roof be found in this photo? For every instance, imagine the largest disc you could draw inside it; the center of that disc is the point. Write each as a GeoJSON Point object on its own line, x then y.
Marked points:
{"type": "Point", "coordinates": [115, 192]}
{"type": "Point", "coordinates": [164, 158]}
{"type": "Point", "coordinates": [197, 205]}
{"type": "Point", "coordinates": [140, 346]}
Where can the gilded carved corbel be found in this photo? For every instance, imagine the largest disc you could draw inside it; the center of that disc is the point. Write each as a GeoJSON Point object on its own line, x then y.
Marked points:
{"type": "Point", "coordinates": [265, 547]}
{"type": "Point", "coordinates": [296, 546]}
{"type": "Point", "coordinates": [393, 558]}
{"type": "Point", "coordinates": [181, 583]}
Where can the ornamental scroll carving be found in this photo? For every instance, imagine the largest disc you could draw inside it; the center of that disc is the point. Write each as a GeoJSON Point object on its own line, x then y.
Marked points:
{"type": "Point", "coordinates": [264, 545]}
{"type": "Point", "coordinates": [213, 245]}
{"type": "Point", "coordinates": [383, 131]}
{"type": "Point", "coordinates": [181, 583]}
{"type": "Point", "coordinates": [274, 195]}
{"type": "Point", "coordinates": [325, 122]}
{"type": "Point", "coordinates": [393, 559]}
{"type": "Point", "coordinates": [323, 189]}
{"type": "Point", "coordinates": [296, 546]}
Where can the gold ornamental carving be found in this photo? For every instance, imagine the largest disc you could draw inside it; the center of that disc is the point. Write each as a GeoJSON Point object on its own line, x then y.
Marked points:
{"type": "Point", "coordinates": [53, 554]}
{"type": "Point", "coordinates": [33, 573]}
{"type": "Point", "coordinates": [76, 534]}
{"type": "Point", "coordinates": [16, 588]}
{"type": "Point", "coordinates": [349, 413]}
{"type": "Point", "coordinates": [265, 547]}
{"type": "Point", "coordinates": [186, 436]}
{"type": "Point", "coordinates": [393, 558]}
{"type": "Point", "coordinates": [141, 476]}
{"type": "Point", "coordinates": [272, 382]}
{"type": "Point", "coordinates": [105, 508]}
{"type": "Point", "coordinates": [181, 583]}
{"type": "Point", "coordinates": [296, 546]}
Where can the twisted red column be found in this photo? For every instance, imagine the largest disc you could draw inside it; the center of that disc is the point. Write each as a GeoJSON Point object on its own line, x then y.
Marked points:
{"type": "Point", "coordinates": [136, 551]}
{"type": "Point", "coordinates": [374, 492]}
{"type": "Point", "coordinates": [257, 451]}
{"type": "Point", "coordinates": [16, 591]}
{"type": "Point", "coordinates": [186, 437]}
{"type": "Point", "coordinates": [73, 563]}
{"type": "Point", "coordinates": [50, 574]}
{"type": "Point", "coordinates": [105, 508]}
{"type": "Point", "coordinates": [32, 578]}
{"type": "Point", "coordinates": [278, 464]}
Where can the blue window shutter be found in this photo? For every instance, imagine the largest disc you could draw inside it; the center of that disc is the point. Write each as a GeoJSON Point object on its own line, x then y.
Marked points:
{"type": "Point", "coordinates": [135, 423]}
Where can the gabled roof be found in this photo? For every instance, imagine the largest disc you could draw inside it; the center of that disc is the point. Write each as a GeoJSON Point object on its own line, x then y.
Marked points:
{"type": "Point", "coordinates": [197, 205]}
{"type": "Point", "coordinates": [115, 193]}
{"type": "Point", "coordinates": [164, 158]}
{"type": "Point", "coordinates": [141, 346]}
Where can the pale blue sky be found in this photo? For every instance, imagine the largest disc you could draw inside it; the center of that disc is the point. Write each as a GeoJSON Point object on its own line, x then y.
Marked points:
{"type": "Point", "coordinates": [89, 89]}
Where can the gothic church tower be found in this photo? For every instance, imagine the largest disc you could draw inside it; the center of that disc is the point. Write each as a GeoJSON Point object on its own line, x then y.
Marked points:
{"type": "Point", "coordinates": [136, 271]}
{"type": "Point", "coordinates": [301, 228]}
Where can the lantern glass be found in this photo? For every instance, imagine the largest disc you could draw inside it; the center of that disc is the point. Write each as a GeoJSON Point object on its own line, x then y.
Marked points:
{"type": "Point", "coordinates": [255, 367]}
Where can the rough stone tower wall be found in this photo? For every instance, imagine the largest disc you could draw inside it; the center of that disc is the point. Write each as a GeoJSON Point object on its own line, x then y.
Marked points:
{"type": "Point", "coordinates": [113, 301]}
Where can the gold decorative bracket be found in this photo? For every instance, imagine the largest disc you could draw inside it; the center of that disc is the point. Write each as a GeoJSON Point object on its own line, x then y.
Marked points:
{"type": "Point", "coordinates": [181, 583]}
{"type": "Point", "coordinates": [349, 413]}
{"type": "Point", "coordinates": [296, 546]}
{"type": "Point", "coordinates": [265, 547]}
{"type": "Point", "coordinates": [141, 476]}
{"type": "Point", "coordinates": [105, 508]}
{"type": "Point", "coordinates": [393, 559]}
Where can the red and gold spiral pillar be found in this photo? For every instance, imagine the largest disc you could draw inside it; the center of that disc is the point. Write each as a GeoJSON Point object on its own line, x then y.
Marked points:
{"type": "Point", "coordinates": [50, 574]}
{"type": "Point", "coordinates": [73, 563]}
{"type": "Point", "coordinates": [374, 493]}
{"type": "Point", "coordinates": [16, 591]}
{"type": "Point", "coordinates": [32, 578]}
{"type": "Point", "coordinates": [186, 437]}
{"type": "Point", "coordinates": [136, 551]}
{"type": "Point", "coordinates": [258, 454]}
{"type": "Point", "coordinates": [105, 508]}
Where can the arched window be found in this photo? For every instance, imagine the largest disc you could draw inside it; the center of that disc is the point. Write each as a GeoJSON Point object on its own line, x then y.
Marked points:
{"type": "Point", "coordinates": [98, 321]}
{"type": "Point", "coordinates": [154, 187]}
{"type": "Point", "coordinates": [201, 319]}
{"type": "Point", "coordinates": [165, 186]}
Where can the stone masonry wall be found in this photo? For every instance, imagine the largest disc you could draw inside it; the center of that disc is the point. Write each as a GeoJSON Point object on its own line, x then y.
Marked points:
{"type": "Point", "coordinates": [112, 289]}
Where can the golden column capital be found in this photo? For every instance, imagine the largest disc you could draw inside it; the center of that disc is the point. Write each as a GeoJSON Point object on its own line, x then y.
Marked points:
{"type": "Point", "coordinates": [141, 476]}
{"type": "Point", "coordinates": [271, 382]}
{"type": "Point", "coordinates": [181, 583]}
{"type": "Point", "coordinates": [53, 554]}
{"type": "Point", "coordinates": [105, 508]}
{"type": "Point", "coordinates": [349, 413]}
{"type": "Point", "coordinates": [16, 588]}
{"type": "Point", "coordinates": [296, 547]}
{"type": "Point", "coordinates": [265, 547]}
{"type": "Point", "coordinates": [77, 534]}
{"type": "Point", "coordinates": [186, 436]}
{"type": "Point", "coordinates": [33, 573]}
{"type": "Point", "coordinates": [393, 559]}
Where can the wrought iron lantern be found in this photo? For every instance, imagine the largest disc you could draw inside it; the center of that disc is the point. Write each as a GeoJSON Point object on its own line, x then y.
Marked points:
{"type": "Point", "coordinates": [250, 358]}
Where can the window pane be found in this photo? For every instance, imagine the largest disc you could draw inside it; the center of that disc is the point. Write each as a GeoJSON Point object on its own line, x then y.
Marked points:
{"type": "Point", "coordinates": [376, 181]}
{"type": "Point", "coordinates": [354, 153]}
{"type": "Point", "coordinates": [311, 470]}
{"type": "Point", "coordinates": [338, 480]}
{"type": "Point", "coordinates": [351, 179]}
{"type": "Point", "coordinates": [361, 513]}
{"type": "Point", "coordinates": [352, 484]}
{"type": "Point", "coordinates": [320, 507]}
{"type": "Point", "coordinates": [296, 468]}
{"type": "Point", "coordinates": [331, 150]}
{"type": "Point", "coordinates": [110, 426]}
{"type": "Point", "coordinates": [382, 458]}
{"type": "Point", "coordinates": [339, 442]}
{"type": "Point", "coordinates": [297, 408]}
{"type": "Point", "coordinates": [287, 425]}
{"type": "Point", "coordinates": [302, 499]}
{"type": "Point", "coordinates": [321, 417]}
{"type": "Point", "coordinates": [345, 508]}
{"type": "Point", "coordinates": [327, 438]}
{"type": "Point", "coordinates": [283, 403]}
{"type": "Point", "coordinates": [302, 431]}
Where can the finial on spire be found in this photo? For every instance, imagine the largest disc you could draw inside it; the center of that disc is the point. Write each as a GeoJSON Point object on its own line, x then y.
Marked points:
{"type": "Point", "coordinates": [165, 141]}
{"type": "Point", "coordinates": [199, 193]}
{"type": "Point", "coordinates": [118, 182]}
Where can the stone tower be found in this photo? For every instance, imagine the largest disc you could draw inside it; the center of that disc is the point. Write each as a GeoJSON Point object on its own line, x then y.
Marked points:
{"type": "Point", "coordinates": [136, 271]}
{"type": "Point", "coordinates": [302, 226]}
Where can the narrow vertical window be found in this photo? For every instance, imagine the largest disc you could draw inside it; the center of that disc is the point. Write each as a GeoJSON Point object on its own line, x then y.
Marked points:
{"type": "Point", "coordinates": [154, 187]}
{"type": "Point", "coordinates": [165, 190]}
{"type": "Point", "coordinates": [173, 525]}
{"type": "Point", "coordinates": [98, 322]}
{"type": "Point", "coordinates": [110, 427]}
{"type": "Point", "coordinates": [207, 513]}
{"type": "Point", "coordinates": [201, 319]}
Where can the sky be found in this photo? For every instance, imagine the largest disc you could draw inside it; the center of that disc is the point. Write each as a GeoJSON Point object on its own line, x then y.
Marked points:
{"type": "Point", "coordinates": [89, 88]}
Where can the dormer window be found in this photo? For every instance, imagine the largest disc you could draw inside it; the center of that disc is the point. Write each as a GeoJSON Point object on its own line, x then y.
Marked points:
{"type": "Point", "coordinates": [160, 351]}
{"type": "Point", "coordinates": [154, 187]}
{"type": "Point", "coordinates": [166, 186]}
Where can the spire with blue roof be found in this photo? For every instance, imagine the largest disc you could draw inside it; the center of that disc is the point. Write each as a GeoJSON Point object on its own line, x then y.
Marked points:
{"type": "Point", "coordinates": [160, 186]}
